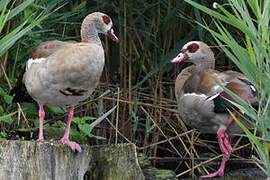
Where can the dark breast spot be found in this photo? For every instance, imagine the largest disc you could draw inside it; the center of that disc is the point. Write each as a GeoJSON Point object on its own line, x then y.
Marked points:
{"type": "Point", "coordinates": [72, 92]}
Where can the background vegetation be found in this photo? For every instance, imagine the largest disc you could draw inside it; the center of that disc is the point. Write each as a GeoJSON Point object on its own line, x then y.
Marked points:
{"type": "Point", "coordinates": [138, 78]}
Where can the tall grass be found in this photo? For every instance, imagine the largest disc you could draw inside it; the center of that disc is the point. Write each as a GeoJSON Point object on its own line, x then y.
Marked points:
{"type": "Point", "coordinates": [252, 56]}
{"type": "Point", "coordinates": [12, 34]}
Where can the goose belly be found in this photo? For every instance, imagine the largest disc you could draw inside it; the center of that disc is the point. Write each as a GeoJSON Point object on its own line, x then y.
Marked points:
{"type": "Point", "coordinates": [61, 89]}
{"type": "Point", "coordinates": [60, 94]}
{"type": "Point", "coordinates": [198, 112]}
{"type": "Point", "coordinates": [54, 97]}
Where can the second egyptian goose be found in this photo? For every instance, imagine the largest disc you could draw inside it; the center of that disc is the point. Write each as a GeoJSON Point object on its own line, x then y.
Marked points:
{"type": "Point", "coordinates": [65, 73]}
{"type": "Point", "coordinates": [202, 103]}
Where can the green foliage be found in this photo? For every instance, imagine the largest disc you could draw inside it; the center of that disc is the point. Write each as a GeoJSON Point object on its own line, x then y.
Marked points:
{"type": "Point", "coordinates": [82, 120]}
{"type": "Point", "coordinates": [5, 98]}
{"type": "Point", "coordinates": [252, 56]}
{"type": "Point", "coordinates": [85, 129]}
{"type": "Point", "coordinates": [56, 110]}
{"type": "Point", "coordinates": [7, 118]}
{"type": "Point", "coordinates": [30, 109]}
{"type": "Point", "coordinates": [7, 41]}
{"type": "Point", "coordinates": [148, 128]}
{"type": "Point", "coordinates": [135, 117]}
{"type": "Point", "coordinates": [3, 134]}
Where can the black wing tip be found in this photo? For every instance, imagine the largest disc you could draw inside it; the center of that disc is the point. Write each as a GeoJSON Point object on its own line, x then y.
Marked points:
{"type": "Point", "coordinates": [19, 91]}
{"type": "Point", "coordinates": [18, 98]}
{"type": "Point", "coordinates": [255, 105]}
{"type": "Point", "coordinates": [20, 95]}
{"type": "Point", "coordinates": [222, 105]}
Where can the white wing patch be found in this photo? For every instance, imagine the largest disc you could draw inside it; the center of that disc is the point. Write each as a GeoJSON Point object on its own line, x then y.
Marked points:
{"type": "Point", "coordinates": [207, 98]}
{"type": "Point", "coordinates": [210, 98]}
{"type": "Point", "coordinates": [33, 61]}
{"type": "Point", "coordinates": [253, 88]}
{"type": "Point", "coordinates": [194, 94]}
{"type": "Point", "coordinates": [217, 89]}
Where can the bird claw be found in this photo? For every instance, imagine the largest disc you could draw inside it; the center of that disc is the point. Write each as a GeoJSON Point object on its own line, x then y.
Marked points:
{"type": "Point", "coordinates": [219, 172]}
{"type": "Point", "coordinates": [40, 139]}
{"type": "Point", "coordinates": [74, 146]}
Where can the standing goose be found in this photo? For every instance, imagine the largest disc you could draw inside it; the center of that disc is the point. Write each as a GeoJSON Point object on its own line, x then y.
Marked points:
{"type": "Point", "coordinates": [65, 73]}
{"type": "Point", "coordinates": [202, 103]}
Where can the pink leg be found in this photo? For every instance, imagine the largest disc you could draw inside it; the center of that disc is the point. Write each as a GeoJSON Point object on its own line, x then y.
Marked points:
{"type": "Point", "coordinates": [220, 171]}
{"type": "Point", "coordinates": [41, 118]}
{"type": "Point", "coordinates": [225, 147]}
{"type": "Point", "coordinates": [74, 146]}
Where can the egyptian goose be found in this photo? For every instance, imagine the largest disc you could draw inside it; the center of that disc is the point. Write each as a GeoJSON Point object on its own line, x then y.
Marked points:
{"type": "Point", "coordinates": [65, 73]}
{"type": "Point", "coordinates": [202, 103]}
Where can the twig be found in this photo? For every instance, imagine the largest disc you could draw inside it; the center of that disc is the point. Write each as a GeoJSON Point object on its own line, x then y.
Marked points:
{"type": "Point", "coordinates": [117, 115]}
{"type": "Point", "coordinates": [140, 103]}
{"type": "Point", "coordinates": [212, 159]}
{"type": "Point", "coordinates": [166, 140]}
{"type": "Point", "coordinates": [162, 133]}
{"type": "Point", "coordinates": [174, 159]}
{"type": "Point", "coordinates": [118, 131]}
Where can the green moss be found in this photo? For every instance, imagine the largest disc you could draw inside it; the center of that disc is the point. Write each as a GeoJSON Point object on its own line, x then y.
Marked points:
{"type": "Point", "coordinates": [165, 175]}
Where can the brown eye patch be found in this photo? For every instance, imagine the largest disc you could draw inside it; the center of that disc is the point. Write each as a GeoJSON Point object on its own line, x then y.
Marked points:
{"type": "Point", "coordinates": [106, 19]}
{"type": "Point", "coordinates": [193, 47]}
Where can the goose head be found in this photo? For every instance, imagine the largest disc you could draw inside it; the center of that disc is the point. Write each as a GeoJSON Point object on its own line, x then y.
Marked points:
{"type": "Point", "coordinates": [97, 23]}
{"type": "Point", "coordinates": [196, 52]}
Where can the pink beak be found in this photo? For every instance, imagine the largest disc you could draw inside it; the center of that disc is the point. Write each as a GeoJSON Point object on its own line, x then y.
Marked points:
{"type": "Point", "coordinates": [111, 35]}
{"type": "Point", "coordinates": [181, 57]}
